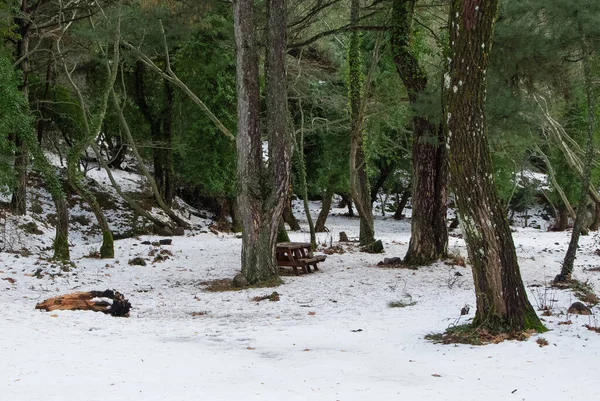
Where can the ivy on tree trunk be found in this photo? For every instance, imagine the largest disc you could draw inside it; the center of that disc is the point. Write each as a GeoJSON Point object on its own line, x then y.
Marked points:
{"type": "Point", "coordinates": [359, 183]}
{"type": "Point", "coordinates": [429, 232]}
{"type": "Point", "coordinates": [18, 202]}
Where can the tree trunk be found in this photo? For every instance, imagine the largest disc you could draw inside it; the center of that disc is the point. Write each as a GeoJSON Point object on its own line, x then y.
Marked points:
{"type": "Point", "coordinates": [261, 205]}
{"type": "Point", "coordinates": [166, 184]}
{"type": "Point", "coordinates": [18, 202]}
{"type": "Point", "coordinates": [385, 170]}
{"type": "Point", "coordinates": [282, 234]}
{"type": "Point", "coordinates": [502, 303]}
{"type": "Point", "coordinates": [429, 233]}
{"type": "Point", "coordinates": [236, 224]}
{"type": "Point", "coordinates": [595, 224]}
{"type": "Point", "coordinates": [359, 183]}
{"type": "Point", "coordinates": [578, 225]}
{"type": "Point", "coordinates": [169, 212]}
{"type": "Point", "coordinates": [288, 214]}
{"type": "Point", "coordinates": [107, 249]}
{"type": "Point", "coordinates": [347, 202]}
{"type": "Point", "coordinates": [160, 132]}
{"type": "Point", "coordinates": [54, 186]}
{"type": "Point", "coordinates": [324, 213]}
{"type": "Point", "coordinates": [61, 239]}
{"type": "Point", "coordinates": [561, 222]}
{"type": "Point", "coordinates": [301, 169]}
{"type": "Point", "coordinates": [402, 201]}
{"type": "Point", "coordinates": [85, 301]}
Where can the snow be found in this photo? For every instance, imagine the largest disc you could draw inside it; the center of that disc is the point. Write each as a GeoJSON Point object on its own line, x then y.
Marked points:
{"type": "Point", "coordinates": [331, 336]}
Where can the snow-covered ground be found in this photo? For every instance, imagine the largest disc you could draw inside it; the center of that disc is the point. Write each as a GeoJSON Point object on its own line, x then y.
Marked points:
{"type": "Point", "coordinates": [332, 335]}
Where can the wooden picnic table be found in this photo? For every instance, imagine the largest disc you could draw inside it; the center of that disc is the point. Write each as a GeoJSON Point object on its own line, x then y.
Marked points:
{"type": "Point", "coordinates": [297, 254]}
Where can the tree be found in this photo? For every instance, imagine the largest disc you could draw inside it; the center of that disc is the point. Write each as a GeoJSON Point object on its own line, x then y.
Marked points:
{"type": "Point", "coordinates": [567, 266]}
{"type": "Point", "coordinates": [359, 184]}
{"type": "Point", "coordinates": [261, 188]}
{"type": "Point", "coordinates": [159, 118]}
{"type": "Point", "coordinates": [502, 303]}
{"type": "Point", "coordinates": [22, 25]}
{"type": "Point", "coordinates": [93, 113]}
{"type": "Point", "coordinates": [429, 232]}
{"type": "Point", "coordinates": [17, 119]}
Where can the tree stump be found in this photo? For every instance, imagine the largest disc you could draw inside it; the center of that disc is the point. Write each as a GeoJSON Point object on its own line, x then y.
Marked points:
{"type": "Point", "coordinates": [85, 301]}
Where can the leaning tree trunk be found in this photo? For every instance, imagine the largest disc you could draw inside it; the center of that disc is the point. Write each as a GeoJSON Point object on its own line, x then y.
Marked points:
{"type": "Point", "coordinates": [402, 201]}
{"type": "Point", "coordinates": [429, 232]}
{"type": "Point", "coordinates": [107, 249]}
{"type": "Point", "coordinates": [261, 205]}
{"type": "Point", "coordinates": [143, 169]}
{"type": "Point", "coordinates": [92, 119]}
{"type": "Point", "coordinates": [567, 266]}
{"type": "Point", "coordinates": [359, 183]}
{"type": "Point", "coordinates": [325, 208]}
{"type": "Point", "coordinates": [502, 303]}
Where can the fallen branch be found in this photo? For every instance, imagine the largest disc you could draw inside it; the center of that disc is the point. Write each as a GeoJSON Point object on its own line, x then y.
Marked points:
{"type": "Point", "coordinates": [85, 301]}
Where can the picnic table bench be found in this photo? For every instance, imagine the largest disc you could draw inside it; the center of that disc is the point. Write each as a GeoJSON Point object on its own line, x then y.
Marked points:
{"type": "Point", "coordinates": [297, 254]}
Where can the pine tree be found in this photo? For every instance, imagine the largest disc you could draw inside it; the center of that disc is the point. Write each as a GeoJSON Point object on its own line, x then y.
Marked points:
{"type": "Point", "coordinates": [502, 303]}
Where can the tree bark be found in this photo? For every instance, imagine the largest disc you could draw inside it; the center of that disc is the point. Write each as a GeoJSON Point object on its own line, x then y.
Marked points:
{"type": "Point", "coordinates": [502, 303]}
{"type": "Point", "coordinates": [595, 224]}
{"type": "Point", "coordinates": [385, 170]}
{"type": "Point", "coordinates": [85, 301]}
{"type": "Point", "coordinates": [578, 226]}
{"type": "Point", "coordinates": [324, 213]}
{"type": "Point", "coordinates": [18, 202]}
{"type": "Point", "coordinates": [402, 201]}
{"type": "Point", "coordinates": [107, 249]}
{"type": "Point", "coordinates": [561, 222]}
{"type": "Point", "coordinates": [288, 214]}
{"type": "Point", "coordinates": [61, 239]}
{"type": "Point", "coordinates": [261, 189]}
{"type": "Point", "coordinates": [303, 186]}
{"type": "Point", "coordinates": [359, 183]}
{"type": "Point", "coordinates": [347, 202]}
{"type": "Point", "coordinates": [429, 232]}
{"type": "Point", "coordinates": [234, 212]}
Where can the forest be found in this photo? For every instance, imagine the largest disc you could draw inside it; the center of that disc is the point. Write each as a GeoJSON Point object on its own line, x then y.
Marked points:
{"type": "Point", "coordinates": [245, 188]}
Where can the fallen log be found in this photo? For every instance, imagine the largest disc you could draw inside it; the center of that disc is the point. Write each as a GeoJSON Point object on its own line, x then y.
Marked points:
{"type": "Point", "coordinates": [87, 301]}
